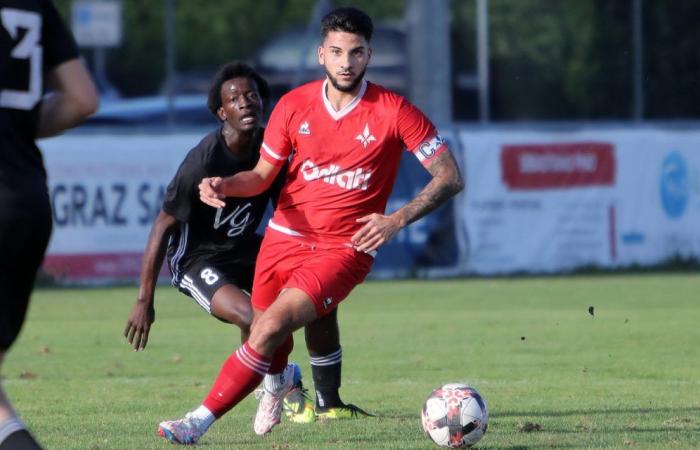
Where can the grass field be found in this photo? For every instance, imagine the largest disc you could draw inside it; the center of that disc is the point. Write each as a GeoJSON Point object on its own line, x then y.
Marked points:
{"type": "Point", "coordinates": [626, 377]}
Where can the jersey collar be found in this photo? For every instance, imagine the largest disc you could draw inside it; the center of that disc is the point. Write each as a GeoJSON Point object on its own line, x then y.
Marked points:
{"type": "Point", "coordinates": [347, 108]}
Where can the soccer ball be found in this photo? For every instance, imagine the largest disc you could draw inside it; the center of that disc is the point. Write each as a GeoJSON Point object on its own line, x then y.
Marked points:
{"type": "Point", "coordinates": [455, 416]}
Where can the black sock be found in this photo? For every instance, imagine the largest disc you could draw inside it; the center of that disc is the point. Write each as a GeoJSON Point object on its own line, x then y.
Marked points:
{"type": "Point", "coordinates": [326, 374]}
{"type": "Point", "coordinates": [19, 440]}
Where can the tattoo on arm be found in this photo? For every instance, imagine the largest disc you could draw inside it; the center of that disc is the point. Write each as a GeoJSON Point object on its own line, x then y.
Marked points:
{"type": "Point", "coordinates": [447, 182]}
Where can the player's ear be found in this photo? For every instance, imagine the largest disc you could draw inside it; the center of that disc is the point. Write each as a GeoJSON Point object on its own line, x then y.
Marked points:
{"type": "Point", "coordinates": [320, 55]}
{"type": "Point", "coordinates": [221, 113]}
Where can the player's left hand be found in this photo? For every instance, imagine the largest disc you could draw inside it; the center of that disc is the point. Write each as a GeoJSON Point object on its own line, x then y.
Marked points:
{"type": "Point", "coordinates": [138, 326]}
{"type": "Point", "coordinates": [377, 230]}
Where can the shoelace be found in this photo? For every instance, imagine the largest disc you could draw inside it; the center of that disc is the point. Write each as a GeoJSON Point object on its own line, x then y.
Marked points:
{"type": "Point", "coordinates": [355, 410]}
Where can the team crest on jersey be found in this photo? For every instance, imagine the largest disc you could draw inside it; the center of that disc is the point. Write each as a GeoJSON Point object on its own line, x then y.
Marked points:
{"type": "Point", "coordinates": [365, 137]}
{"type": "Point", "coordinates": [304, 128]}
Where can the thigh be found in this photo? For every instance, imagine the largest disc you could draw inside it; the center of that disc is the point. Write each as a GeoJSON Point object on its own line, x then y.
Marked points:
{"type": "Point", "coordinates": [272, 269]}
{"type": "Point", "coordinates": [329, 275]}
{"type": "Point", "coordinates": [291, 310]}
{"type": "Point", "coordinates": [231, 304]}
{"type": "Point", "coordinates": [23, 241]}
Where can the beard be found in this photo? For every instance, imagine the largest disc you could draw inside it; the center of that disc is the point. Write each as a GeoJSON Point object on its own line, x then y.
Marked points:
{"type": "Point", "coordinates": [348, 87]}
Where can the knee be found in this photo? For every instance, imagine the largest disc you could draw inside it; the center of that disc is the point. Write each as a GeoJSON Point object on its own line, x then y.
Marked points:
{"type": "Point", "coordinates": [267, 334]}
{"type": "Point", "coordinates": [268, 328]}
{"type": "Point", "coordinates": [239, 314]}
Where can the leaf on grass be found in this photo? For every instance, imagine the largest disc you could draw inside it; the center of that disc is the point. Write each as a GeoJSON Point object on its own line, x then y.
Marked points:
{"type": "Point", "coordinates": [280, 446]}
{"type": "Point", "coordinates": [27, 375]}
{"type": "Point", "coordinates": [44, 351]}
{"type": "Point", "coordinates": [176, 359]}
{"type": "Point", "coordinates": [591, 310]}
{"type": "Point", "coordinates": [529, 427]}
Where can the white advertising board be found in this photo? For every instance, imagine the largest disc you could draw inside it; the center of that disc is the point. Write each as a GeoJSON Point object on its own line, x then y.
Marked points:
{"type": "Point", "coordinates": [555, 201]}
{"type": "Point", "coordinates": [105, 192]}
{"type": "Point", "coordinates": [535, 201]}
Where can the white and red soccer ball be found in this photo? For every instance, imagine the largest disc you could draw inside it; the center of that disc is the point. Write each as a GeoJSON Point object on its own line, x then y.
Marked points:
{"type": "Point", "coordinates": [455, 416]}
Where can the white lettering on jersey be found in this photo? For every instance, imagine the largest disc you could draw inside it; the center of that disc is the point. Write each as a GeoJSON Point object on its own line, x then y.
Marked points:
{"type": "Point", "coordinates": [238, 220]}
{"type": "Point", "coordinates": [365, 137]}
{"type": "Point", "coordinates": [28, 48]}
{"type": "Point", "coordinates": [346, 179]}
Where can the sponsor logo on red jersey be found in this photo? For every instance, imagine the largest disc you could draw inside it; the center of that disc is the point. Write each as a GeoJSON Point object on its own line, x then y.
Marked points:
{"type": "Point", "coordinates": [333, 174]}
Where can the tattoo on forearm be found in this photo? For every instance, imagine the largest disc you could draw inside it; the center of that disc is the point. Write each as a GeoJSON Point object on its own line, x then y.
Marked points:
{"type": "Point", "coordinates": [447, 181]}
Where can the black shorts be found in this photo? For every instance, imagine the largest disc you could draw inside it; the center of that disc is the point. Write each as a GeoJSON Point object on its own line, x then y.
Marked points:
{"type": "Point", "coordinates": [24, 235]}
{"type": "Point", "coordinates": [203, 279]}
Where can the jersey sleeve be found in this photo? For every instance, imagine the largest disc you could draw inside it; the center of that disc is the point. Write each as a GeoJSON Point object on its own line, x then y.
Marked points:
{"type": "Point", "coordinates": [419, 134]}
{"type": "Point", "coordinates": [57, 41]}
{"type": "Point", "coordinates": [183, 189]}
{"type": "Point", "coordinates": [277, 144]}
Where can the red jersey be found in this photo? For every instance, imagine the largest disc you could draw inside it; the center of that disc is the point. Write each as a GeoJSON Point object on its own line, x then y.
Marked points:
{"type": "Point", "coordinates": [343, 163]}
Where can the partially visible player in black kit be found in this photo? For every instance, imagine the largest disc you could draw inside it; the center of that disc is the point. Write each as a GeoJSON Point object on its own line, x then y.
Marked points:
{"type": "Point", "coordinates": [36, 52]}
{"type": "Point", "coordinates": [212, 252]}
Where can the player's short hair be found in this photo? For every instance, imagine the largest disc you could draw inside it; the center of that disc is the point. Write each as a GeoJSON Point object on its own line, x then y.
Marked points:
{"type": "Point", "coordinates": [235, 69]}
{"type": "Point", "coordinates": [349, 20]}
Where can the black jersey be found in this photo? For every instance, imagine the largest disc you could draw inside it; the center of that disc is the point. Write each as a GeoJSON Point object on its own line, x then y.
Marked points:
{"type": "Point", "coordinates": [33, 40]}
{"type": "Point", "coordinates": [221, 236]}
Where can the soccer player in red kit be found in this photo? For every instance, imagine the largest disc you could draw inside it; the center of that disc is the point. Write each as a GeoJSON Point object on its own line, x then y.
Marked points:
{"type": "Point", "coordinates": [343, 138]}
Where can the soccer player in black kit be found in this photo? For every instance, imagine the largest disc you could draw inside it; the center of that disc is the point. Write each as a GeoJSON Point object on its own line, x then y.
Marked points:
{"type": "Point", "coordinates": [36, 51]}
{"type": "Point", "coordinates": [212, 252]}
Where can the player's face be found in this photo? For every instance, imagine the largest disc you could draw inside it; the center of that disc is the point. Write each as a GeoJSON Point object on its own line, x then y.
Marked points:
{"type": "Point", "coordinates": [241, 104]}
{"type": "Point", "coordinates": [344, 56]}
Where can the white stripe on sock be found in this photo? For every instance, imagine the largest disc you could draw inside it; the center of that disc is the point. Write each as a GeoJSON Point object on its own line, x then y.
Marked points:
{"type": "Point", "coordinates": [327, 360]}
{"type": "Point", "coordinates": [252, 362]}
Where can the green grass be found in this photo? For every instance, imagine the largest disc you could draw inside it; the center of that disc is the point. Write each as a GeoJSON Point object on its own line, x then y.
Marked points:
{"type": "Point", "coordinates": [628, 377]}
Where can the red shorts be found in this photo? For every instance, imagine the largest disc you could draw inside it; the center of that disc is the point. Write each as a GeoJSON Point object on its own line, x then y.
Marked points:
{"type": "Point", "coordinates": [327, 275]}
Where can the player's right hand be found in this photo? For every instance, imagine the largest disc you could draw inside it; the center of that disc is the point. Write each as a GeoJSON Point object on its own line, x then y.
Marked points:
{"type": "Point", "coordinates": [139, 324]}
{"type": "Point", "coordinates": [210, 192]}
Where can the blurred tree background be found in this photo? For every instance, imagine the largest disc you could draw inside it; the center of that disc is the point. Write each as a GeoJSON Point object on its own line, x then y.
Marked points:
{"type": "Point", "coordinates": [549, 59]}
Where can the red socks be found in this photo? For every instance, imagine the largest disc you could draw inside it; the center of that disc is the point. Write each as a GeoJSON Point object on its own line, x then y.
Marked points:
{"type": "Point", "coordinates": [238, 377]}
{"type": "Point", "coordinates": [241, 373]}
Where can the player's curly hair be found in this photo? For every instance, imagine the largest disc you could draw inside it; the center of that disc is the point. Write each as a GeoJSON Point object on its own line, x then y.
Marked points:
{"type": "Point", "coordinates": [235, 69]}
{"type": "Point", "coordinates": [349, 20]}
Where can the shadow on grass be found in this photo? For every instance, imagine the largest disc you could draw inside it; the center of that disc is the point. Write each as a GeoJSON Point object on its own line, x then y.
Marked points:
{"type": "Point", "coordinates": [589, 412]}
{"type": "Point", "coordinates": [573, 412]}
